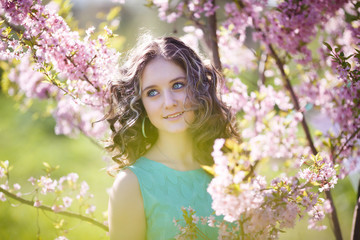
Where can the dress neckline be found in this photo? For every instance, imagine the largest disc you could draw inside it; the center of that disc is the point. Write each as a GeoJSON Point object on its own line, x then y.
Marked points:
{"type": "Point", "coordinates": [172, 169]}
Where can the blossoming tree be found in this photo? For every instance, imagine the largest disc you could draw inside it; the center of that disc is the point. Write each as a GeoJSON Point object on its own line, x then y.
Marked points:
{"type": "Point", "coordinates": [305, 58]}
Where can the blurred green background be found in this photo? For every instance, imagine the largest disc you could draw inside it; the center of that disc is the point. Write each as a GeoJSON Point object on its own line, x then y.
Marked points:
{"type": "Point", "coordinates": [27, 140]}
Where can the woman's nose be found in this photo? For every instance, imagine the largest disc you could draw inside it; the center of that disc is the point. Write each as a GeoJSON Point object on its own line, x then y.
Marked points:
{"type": "Point", "coordinates": [169, 99]}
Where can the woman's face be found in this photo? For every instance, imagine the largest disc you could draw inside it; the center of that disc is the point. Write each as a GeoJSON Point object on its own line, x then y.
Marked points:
{"type": "Point", "coordinates": [163, 85]}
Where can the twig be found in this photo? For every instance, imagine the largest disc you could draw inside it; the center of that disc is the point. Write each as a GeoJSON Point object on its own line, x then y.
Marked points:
{"type": "Point", "coordinates": [84, 75]}
{"type": "Point", "coordinates": [262, 68]}
{"type": "Point", "coordinates": [47, 208]}
{"type": "Point", "coordinates": [344, 145]}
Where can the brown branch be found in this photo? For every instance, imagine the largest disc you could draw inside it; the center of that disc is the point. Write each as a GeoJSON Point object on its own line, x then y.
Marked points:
{"type": "Point", "coordinates": [334, 217]}
{"type": "Point", "coordinates": [47, 208]}
{"type": "Point", "coordinates": [85, 77]}
{"type": "Point", "coordinates": [355, 233]}
{"type": "Point", "coordinates": [295, 101]}
{"type": "Point", "coordinates": [288, 86]}
{"type": "Point", "coordinates": [212, 27]}
{"type": "Point", "coordinates": [56, 85]}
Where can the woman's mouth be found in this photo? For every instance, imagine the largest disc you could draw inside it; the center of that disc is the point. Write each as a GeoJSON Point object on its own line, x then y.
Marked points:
{"type": "Point", "coordinates": [171, 116]}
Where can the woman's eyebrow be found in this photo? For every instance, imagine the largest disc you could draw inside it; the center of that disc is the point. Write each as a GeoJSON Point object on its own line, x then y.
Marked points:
{"type": "Point", "coordinates": [173, 80]}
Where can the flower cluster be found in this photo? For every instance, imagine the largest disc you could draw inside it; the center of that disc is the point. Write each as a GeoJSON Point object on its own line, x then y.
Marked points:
{"type": "Point", "coordinates": [84, 67]}
{"type": "Point", "coordinates": [194, 8]}
{"type": "Point", "coordinates": [226, 188]}
{"type": "Point", "coordinates": [263, 209]}
{"type": "Point", "coordinates": [190, 228]}
{"type": "Point", "coordinates": [294, 23]}
{"type": "Point", "coordinates": [30, 82]}
{"type": "Point", "coordinates": [269, 124]}
{"type": "Point", "coordinates": [320, 171]}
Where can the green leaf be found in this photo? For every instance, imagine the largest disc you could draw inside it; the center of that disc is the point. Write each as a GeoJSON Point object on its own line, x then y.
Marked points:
{"type": "Point", "coordinates": [47, 165]}
{"type": "Point", "coordinates": [149, 3]}
{"type": "Point", "coordinates": [328, 46]}
{"type": "Point", "coordinates": [350, 18]}
{"type": "Point", "coordinates": [349, 56]}
{"type": "Point", "coordinates": [114, 12]}
{"type": "Point", "coordinates": [318, 133]}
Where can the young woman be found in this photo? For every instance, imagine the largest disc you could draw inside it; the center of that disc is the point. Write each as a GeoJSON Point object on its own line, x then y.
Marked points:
{"type": "Point", "coordinates": [165, 117]}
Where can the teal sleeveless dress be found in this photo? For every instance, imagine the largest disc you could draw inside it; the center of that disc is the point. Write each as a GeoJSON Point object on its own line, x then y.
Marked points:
{"type": "Point", "coordinates": [165, 191]}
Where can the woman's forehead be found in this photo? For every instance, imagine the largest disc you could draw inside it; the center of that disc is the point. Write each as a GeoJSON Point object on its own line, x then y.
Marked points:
{"type": "Point", "coordinates": [160, 70]}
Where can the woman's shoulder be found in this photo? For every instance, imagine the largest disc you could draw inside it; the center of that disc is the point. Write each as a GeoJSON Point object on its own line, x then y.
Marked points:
{"type": "Point", "coordinates": [126, 210]}
{"type": "Point", "coordinates": [125, 181]}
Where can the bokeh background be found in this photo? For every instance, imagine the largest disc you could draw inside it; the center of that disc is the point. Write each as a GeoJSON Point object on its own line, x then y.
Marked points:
{"type": "Point", "coordinates": [27, 139]}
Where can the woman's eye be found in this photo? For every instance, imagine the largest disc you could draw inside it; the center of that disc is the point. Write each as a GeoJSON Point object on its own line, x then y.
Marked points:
{"type": "Point", "coordinates": [151, 93]}
{"type": "Point", "coordinates": [178, 85]}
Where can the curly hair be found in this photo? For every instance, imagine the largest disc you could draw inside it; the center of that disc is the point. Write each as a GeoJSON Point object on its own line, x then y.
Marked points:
{"type": "Point", "coordinates": [212, 118]}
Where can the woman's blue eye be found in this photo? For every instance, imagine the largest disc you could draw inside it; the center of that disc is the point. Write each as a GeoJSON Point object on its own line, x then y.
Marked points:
{"type": "Point", "coordinates": [151, 93]}
{"type": "Point", "coordinates": [178, 85]}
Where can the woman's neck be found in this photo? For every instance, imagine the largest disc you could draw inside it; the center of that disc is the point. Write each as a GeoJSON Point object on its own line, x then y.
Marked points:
{"type": "Point", "coordinates": [174, 150]}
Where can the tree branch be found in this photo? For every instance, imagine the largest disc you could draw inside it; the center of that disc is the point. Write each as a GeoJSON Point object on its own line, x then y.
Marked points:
{"type": "Point", "coordinates": [47, 208]}
{"type": "Point", "coordinates": [355, 233]}
{"type": "Point", "coordinates": [295, 101]}
{"type": "Point", "coordinates": [212, 27]}
{"type": "Point", "coordinates": [334, 217]}
{"type": "Point", "coordinates": [288, 86]}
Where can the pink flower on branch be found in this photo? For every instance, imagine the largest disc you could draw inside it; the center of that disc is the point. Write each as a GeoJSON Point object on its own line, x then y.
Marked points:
{"type": "Point", "coordinates": [81, 69]}
{"type": "Point", "coordinates": [47, 184]}
{"type": "Point", "coordinates": [319, 172]}
{"type": "Point", "coordinates": [262, 209]}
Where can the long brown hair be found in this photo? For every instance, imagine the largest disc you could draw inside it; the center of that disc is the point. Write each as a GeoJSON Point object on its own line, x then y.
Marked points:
{"type": "Point", "coordinates": [212, 118]}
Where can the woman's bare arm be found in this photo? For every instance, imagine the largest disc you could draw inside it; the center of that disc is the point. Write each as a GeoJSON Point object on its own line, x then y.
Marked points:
{"type": "Point", "coordinates": [126, 208]}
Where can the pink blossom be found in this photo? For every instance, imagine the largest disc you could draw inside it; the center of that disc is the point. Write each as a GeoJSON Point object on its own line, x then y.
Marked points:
{"type": "Point", "coordinates": [320, 169]}
{"type": "Point", "coordinates": [61, 238]}
{"type": "Point", "coordinates": [118, 1]}
{"type": "Point", "coordinates": [2, 172]}
{"type": "Point", "coordinates": [211, 221]}
{"type": "Point", "coordinates": [90, 209]}
{"type": "Point", "coordinates": [195, 219]}
{"type": "Point", "coordinates": [83, 190]}
{"type": "Point", "coordinates": [2, 197]}
{"type": "Point", "coordinates": [316, 215]}
{"type": "Point", "coordinates": [108, 30]}
{"type": "Point", "coordinates": [17, 187]}
{"type": "Point", "coordinates": [72, 177]}
{"type": "Point", "coordinates": [57, 208]}
{"type": "Point", "coordinates": [37, 203]}
{"type": "Point", "coordinates": [47, 184]}
{"type": "Point", "coordinates": [5, 186]}
{"type": "Point", "coordinates": [67, 202]}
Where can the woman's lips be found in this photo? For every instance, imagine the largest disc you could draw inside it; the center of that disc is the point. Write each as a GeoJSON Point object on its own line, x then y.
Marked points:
{"type": "Point", "coordinates": [171, 116]}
